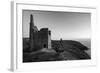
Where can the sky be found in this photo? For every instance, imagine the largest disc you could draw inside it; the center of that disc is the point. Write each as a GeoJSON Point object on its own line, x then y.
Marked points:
{"type": "Point", "coordinates": [65, 25]}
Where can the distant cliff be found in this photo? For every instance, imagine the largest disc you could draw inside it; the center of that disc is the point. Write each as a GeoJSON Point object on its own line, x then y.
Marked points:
{"type": "Point", "coordinates": [72, 49]}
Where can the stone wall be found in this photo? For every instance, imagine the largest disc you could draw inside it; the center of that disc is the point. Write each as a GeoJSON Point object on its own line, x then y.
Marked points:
{"type": "Point", "coordinates": [39, 39]}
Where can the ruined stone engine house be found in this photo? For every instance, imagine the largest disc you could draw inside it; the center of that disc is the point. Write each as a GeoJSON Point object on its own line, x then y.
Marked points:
{"type": "Point", "coordinates": [39, 38]}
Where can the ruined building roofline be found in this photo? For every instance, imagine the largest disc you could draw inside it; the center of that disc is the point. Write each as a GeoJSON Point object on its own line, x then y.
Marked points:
{"type": "Point", "coordinates": [45, 29]}
{"type": "Point", "coordinates": [35, 27]}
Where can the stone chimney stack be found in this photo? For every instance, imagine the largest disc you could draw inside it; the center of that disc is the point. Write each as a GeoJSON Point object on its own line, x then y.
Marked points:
{"type": "Point", "coordinates": [31, 33]}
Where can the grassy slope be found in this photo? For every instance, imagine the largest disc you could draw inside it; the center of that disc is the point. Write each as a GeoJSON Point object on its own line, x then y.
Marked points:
{"type": "Point", "coordinates": [72, 50]}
